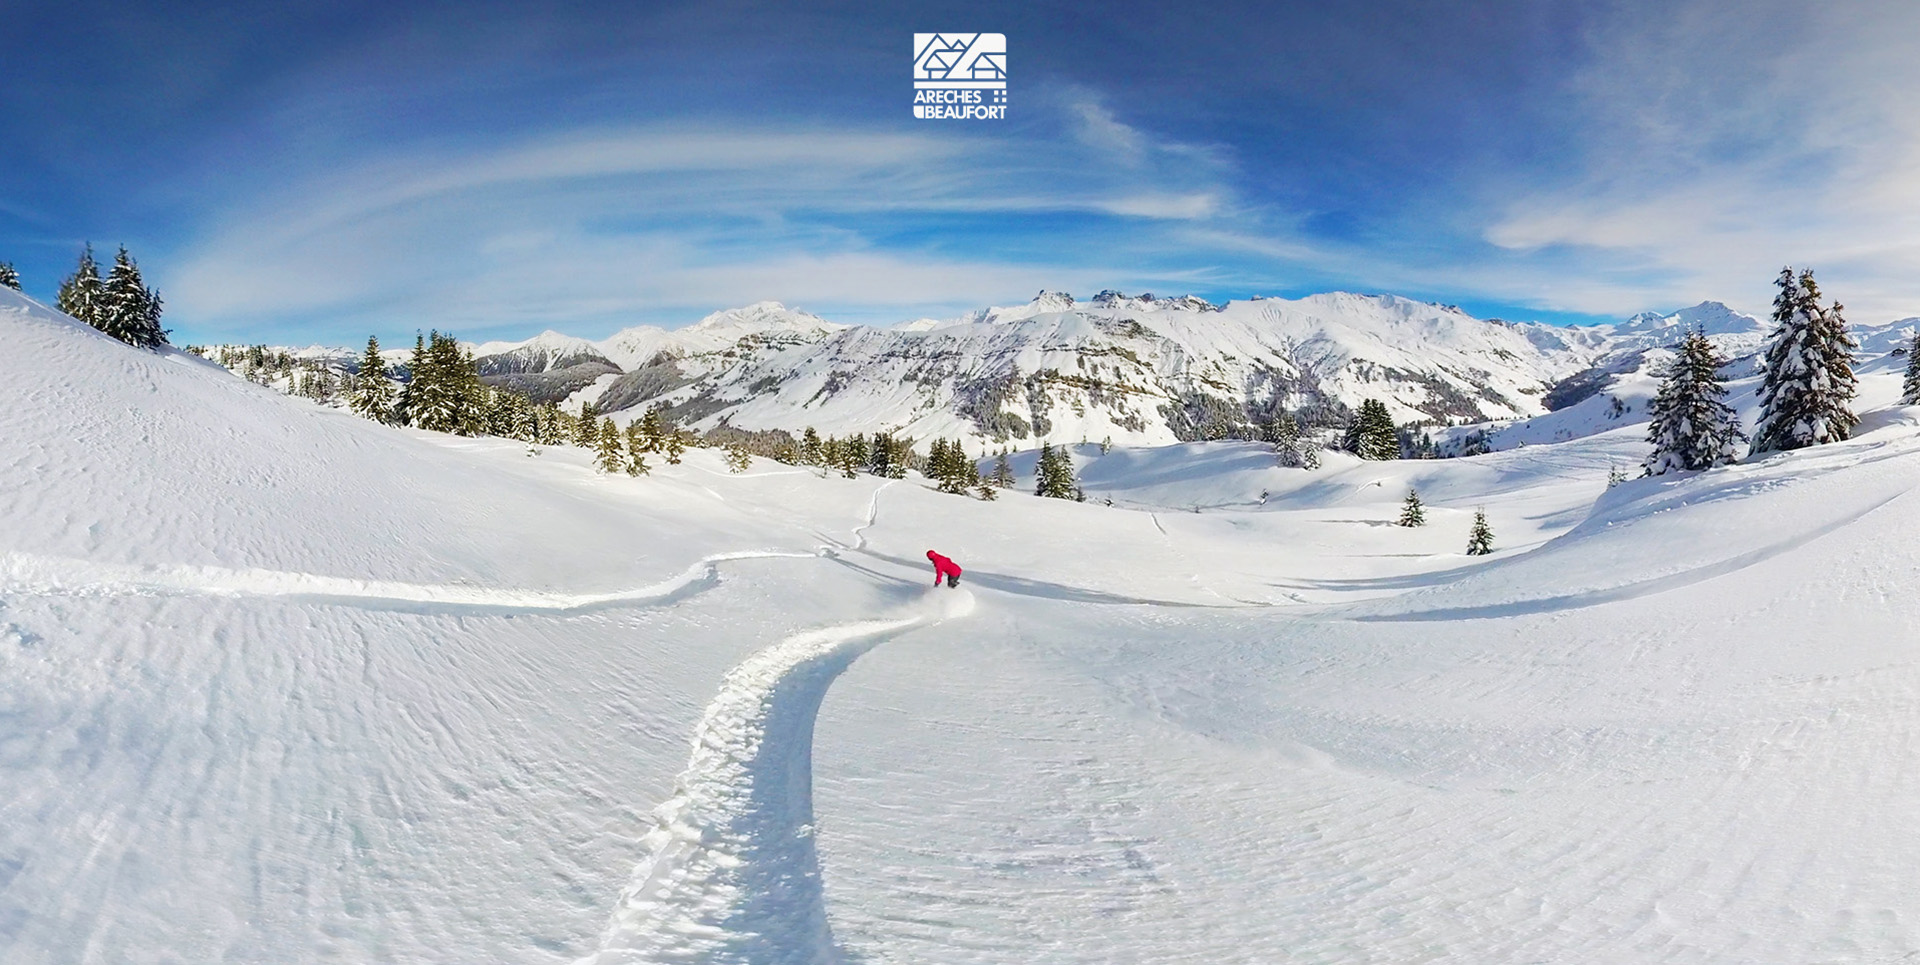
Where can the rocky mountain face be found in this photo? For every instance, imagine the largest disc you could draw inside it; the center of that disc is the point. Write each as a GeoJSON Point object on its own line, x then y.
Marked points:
{"type": "Point", "coordinates": [1133, 368]}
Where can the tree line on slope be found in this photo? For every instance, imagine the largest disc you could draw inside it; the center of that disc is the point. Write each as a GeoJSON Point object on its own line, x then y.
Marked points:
{"type": "Point", "coordinates": [120, 304]}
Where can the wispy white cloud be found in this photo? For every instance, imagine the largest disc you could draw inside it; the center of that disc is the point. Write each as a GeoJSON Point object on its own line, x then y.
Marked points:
{"type": "Point", "coordinates": [1724, 140]}
{"type": "Point", "coordinates": [605, 226]}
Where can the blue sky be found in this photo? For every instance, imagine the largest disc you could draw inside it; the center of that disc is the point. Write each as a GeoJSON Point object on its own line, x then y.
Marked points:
{"type": "Point", "coordinates": [319, 172]}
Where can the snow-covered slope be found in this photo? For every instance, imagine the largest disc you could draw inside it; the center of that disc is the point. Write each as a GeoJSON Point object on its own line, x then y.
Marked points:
{"type": "Point", "coordinates": [278, 684]}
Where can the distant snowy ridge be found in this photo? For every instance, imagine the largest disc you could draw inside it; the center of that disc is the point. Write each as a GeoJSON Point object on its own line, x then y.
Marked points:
{"type": "Point", "coordinates": [1136, 369]}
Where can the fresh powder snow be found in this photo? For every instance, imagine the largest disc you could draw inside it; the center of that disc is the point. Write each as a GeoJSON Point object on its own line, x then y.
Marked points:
{"type": "Point", "coordinates": [281, 684]}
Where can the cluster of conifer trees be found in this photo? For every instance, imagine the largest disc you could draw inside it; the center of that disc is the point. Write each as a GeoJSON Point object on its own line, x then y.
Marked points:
{"type": "Point", "coordinates": [440, 389]}
{"type": "Point", "coordinates": [8, 276]}
{"type": "Point", "coordinates": [1804, 394]}
{"type": "Point", "coordinates": [121, 304]}
{"type": "Point", "coordinates": [1371, 434]}
{"type": "Point", "coordinates": [1054, 477]}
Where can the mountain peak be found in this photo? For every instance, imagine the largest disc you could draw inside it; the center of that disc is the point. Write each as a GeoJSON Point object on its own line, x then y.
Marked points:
{"type": "Point", "coordinates": [1146, 301]}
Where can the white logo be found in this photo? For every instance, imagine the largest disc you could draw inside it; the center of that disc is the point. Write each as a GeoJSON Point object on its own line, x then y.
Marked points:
{"type": "Point", "coordinates": [960, 76]}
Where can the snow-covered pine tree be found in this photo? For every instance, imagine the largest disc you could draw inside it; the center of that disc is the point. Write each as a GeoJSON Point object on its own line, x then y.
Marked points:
{"type": "Point", "coordinates": [608, 455]}
{"type": "Point", "coordinates": [1372, 435]}
{"type": "Point", "coordinates": [372, 393]}
{"type": "Point", "coordinates": [1002, 472]}
{"type": "Point", "coordinates": [1291, 448]}
{"type": "Point", "coordinates": [446, 394]}
{"type": "Point", "coordinates": [418, 375]}
{"type": "Point", "coordinates": [672, 445]}
{"type": "Point", "coordinates": [8, 276]}
{"type": "Point", "coordinates": [471, 396]}
{"type": "Point", "coordinates": [1910, 386]}
{"type": "Point", "coordinates": [1809, 378]}
{"type": "Point", "coordinates": [987, 491]}
{"type": "Point", "coordinates": [653, 428]}
{"type": "Point", "coordinates": [1615, 475]}
{"type": "Point", "coordinates": [549, 425]}
{"type": "Point", "coordinates": [130, 310]}
{"type": "Point", "coordinates": [1690, 426]}
{"type": "Point", "coordinates": [83, 294]}
{"type": "Point", "coordinates": [1412, 513]}
{"type": "Point", "coordinates": [1480, 540]}
{"type": "Point", "coordinates": [738, 458]}
{"type": "Point", "coordinates": [810, 448]}
{"type": "Point", "coordinates": [880, 454]}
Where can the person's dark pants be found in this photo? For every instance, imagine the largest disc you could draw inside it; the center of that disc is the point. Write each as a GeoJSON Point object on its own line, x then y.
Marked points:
{"type": "Point", "coordinates": [953, 579]}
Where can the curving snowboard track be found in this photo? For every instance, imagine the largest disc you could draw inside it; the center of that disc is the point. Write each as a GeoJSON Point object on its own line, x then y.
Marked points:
{"type": "Point", "coordinates": [732, 875]}
{"type": "Point", "coordinates": [55, 576]}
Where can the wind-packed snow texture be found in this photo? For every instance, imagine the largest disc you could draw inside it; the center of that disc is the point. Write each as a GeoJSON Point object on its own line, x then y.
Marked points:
{"type": "Point", "coordinates": [281, 685]}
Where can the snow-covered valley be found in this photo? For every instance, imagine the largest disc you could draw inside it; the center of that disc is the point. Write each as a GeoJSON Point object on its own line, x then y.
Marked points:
{"type": "Point", "coordinates": [280, 684]}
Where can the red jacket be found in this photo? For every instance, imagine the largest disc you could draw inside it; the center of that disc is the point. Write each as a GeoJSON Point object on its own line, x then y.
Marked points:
{"type": "Point", "coordinates": [942, 567]}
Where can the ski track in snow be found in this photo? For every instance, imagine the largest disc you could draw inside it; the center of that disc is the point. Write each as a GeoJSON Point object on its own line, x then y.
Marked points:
{"type": "Point", "coordinates": [732, 874]}
{"type": "Point", "coordinates": [29, 574]}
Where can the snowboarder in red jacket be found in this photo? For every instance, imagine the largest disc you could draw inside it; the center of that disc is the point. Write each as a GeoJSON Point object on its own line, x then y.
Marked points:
{"type": "Point", "coordinates": [944, 567]}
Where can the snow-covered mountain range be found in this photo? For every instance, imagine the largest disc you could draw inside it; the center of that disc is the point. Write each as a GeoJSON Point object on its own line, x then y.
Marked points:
{"type": "Point", "coordinates": [1135, 369]}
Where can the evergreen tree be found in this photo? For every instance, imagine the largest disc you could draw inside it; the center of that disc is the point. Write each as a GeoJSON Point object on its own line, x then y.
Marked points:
{"type": "Point", "coordinates": [948, 465]}
{"type": "Point", "coordinates": [653, 428]}
{"type": "Point", "coordinates": [857, 450]}
{"type": "Point", "coordinates": [636, 449]}
{"type": "Point", "coordinates": [608, 454]}
{"type": "Point", "coordinates": [586, 432]}
{"type": "Point", "coordinates": [1809, 378]}
{"type": "Point", "coordinates": [738, 458]}
{"type": "Point", "coordinates": [1615, 475]}
{"type": "Point", "coordinates": [810, 454]}
{"type": "Point", "coordinates": [1291, 447]}
{"type": "Point", "coordinates": [1480, 540]}
{"type": "Point", "coordinates": [8, 276]}
{"type": "Point", "coordinates": [372, 393]}
{"type": "Point", "coordinates": [1411, 512]}
{"type": "Point", "coordinates": [987, 491]}
{"type": "Point", "coordinates": [417, 366]}
{"type": "Point", "coordinates": [83, 294]}
{"type": "Point", "coordinates": [1002, 472]}
{"type": "Point", "coordinates": [129, 310]}
{"type": "Point", "coordinates": [510, 415]}
{"type": "Point", "coordinates": [1054, 474]}
{"type": "Point", "coordinates": [550, 426]}
{"type": "Point", "coordinates": [672, 445]}
{"type": "Point", "coordinates": [1689, 426]}
{"type": "Point", "coordinates": [445, 393]}
{"type": "Point", "coordinates": [849, 457]}
{"type": "Point", "coordinates": [1910, 386]}
{"type": "Point", "coordinates": [1372, 435]}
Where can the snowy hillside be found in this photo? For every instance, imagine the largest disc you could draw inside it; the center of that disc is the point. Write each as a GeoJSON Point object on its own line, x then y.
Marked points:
{"type": "Point", "coordinates": [278, 684]}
